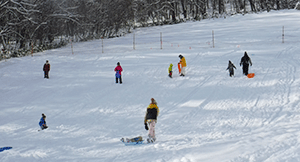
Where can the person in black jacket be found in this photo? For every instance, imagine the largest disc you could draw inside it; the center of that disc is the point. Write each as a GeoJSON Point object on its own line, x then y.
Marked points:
{"type": "Point", "coordinates": [151, 118]}
{"type": "Point", "coordinates": [230, 68]}
{"type": "Point", "coordinates": [245, 61]}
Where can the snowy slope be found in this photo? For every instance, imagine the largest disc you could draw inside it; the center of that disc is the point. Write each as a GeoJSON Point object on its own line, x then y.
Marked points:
{"type": "Point", "coordinates": [206, 116]}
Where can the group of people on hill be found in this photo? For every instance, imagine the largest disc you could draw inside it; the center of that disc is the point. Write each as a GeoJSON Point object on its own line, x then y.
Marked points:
{"type": "Point", "coordinates": [152, 111]}
{"type": "Point", "coordinates": [245, 61]}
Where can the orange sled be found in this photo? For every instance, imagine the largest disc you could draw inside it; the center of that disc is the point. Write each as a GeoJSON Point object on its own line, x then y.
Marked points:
{"type": "Point", "coordinates": [250, 75]}
{"type": "Point", "coordinates": [179, 68]}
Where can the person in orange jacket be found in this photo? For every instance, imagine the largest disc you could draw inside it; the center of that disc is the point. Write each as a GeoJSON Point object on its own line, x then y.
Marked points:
{"type": "Point", "coordinates": [151, 118]}
{"type": "Point", "coordinates": [183, 65]}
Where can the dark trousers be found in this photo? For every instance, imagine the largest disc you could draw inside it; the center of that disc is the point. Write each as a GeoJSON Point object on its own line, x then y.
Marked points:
{"type": "Point", "coordinates": [245, 69]}
{"type": "Point", "coordinates": [46, 74]}
{"type": "Point", "coordinates": [231, 73]}
{"type": "Point", "coordinates": [44, 127]}
{"type": "Point", "coordinates": [170, 74]}
{"type": "Point", "coordinates": [119, 79]}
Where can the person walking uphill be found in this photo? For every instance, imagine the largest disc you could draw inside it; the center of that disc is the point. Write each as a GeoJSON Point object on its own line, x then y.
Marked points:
{"type": "Point", "coordinates": [183, 65]}
{"type": "Point", "coordinates": [46, 69]}
{"type": "Point", "coordinates": [151, 119]}
{"type": "Point", "coordinates": [230, 68]}
{"type": "Point", "coordinates": [245, 60]}
{"type": "Point", "coordinates": [118, 71]}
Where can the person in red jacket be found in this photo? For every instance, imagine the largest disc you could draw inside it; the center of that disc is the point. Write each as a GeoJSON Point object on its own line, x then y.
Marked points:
{"type": "Point", "coordinates": [118, 71]}
{"type": "Point", "coordinates": [46, 69]}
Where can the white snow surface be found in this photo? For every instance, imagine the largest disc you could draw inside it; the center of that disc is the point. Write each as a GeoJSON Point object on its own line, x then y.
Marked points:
{"type": "Point", "coordinates": [205, 116]}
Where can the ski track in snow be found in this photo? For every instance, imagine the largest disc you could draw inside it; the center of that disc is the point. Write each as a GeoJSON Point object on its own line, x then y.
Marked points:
{"type": "Point", "coordinates": [204, 116]}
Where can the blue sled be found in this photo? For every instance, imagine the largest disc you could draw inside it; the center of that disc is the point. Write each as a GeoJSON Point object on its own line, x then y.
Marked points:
{"type": "Point", "coordinates": [133, 143]}
{"type": "Point", "coordinates": [5, 148]}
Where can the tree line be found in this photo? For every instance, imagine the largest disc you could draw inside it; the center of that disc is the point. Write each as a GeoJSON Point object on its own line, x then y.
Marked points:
{"type": "Point", "coordinates": [34, 25]}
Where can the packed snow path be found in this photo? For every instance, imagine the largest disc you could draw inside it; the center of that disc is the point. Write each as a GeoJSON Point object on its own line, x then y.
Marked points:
{"type": "Point", "coordinates": [205, 116]}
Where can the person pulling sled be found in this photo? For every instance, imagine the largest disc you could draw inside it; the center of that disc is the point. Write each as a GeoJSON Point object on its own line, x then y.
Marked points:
{"type": "Point", "coordinates": [245, 61]}
{"type": "Point", "coordinates": [151, 120]}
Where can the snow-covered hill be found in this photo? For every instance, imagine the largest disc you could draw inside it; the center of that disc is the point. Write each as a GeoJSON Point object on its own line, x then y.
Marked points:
{"type": "Point", "coordinates": [205, 116]}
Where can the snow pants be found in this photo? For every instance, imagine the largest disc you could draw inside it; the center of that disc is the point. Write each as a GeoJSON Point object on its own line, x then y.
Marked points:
{"type": "Point", "coordinates": [245, 69]}
{"type": "Point", "coordinates": [119, 79]}
{"type": "Point", "coordinates": [170, 74]}
{"type": "Point", "coordinates": [231, 72]}
{"type": "Point", "coordinates": [46, 74]}
{"type": "Point", "coordinates": [44, 126]}
{"type": "Point", "coordinates": [183, 70]}
{"type": "Point", "coordinates": [151, 132]}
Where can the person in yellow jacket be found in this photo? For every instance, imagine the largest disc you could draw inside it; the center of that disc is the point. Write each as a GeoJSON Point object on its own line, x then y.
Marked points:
{"type": "Point", "coordinates": [151, 119]}
{"type": "Point", "coordinates": [183, 65]}
{"type": "Point", "coordinates": [170, 70]}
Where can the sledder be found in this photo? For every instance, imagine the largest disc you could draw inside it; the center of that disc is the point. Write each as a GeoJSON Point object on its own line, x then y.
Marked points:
{"type": "Point", "coordinates": [42, 122]}
{"type": "Point", "coordinates": [151, 119]}
{"type": "Point", "coordinates": [245, 61]}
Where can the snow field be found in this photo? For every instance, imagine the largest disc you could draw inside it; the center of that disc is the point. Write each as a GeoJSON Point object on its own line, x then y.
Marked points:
{"type": "Point", "coordinates": [205, 116]}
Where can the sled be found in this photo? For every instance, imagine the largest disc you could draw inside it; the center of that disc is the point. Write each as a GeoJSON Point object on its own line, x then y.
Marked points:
{"type": "Point", "coordinates": [5, 148]}
{"type": "Point", "coordinates": [179, 68]}
{"type": "Point", "coordinates": [133, 141]}
{"type": "Point", "coordinates": [118, 75]}
{"type": "Point", "coordinates": [250, 75]}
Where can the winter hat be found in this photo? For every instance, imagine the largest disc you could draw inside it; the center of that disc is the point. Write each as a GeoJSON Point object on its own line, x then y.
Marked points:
{"type": "Point", "coordinates": [153, 101]}
{"type": "Point", "coordinates": [118, 63]}
{"type": "Point", "coordinates": [171, 64]}
{"type": "Point", "coordinates": [44, 116]}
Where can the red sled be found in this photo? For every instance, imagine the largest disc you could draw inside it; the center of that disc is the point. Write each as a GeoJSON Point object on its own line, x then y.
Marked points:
{"type": "Point", "coordinates": [179, 68]}
{"type": "Point", "coordinates": [250, 75]}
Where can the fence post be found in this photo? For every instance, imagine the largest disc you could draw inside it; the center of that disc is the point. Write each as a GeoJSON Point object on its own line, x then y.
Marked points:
{"type": "Point", "coordinates": [31, 48]}
{"type": "Point", "coordinates": [161, 40]}
{"type": "Point", "coordinates": [213, 39]}
{"type": "Point", "coordinates": [134, 41]}
{"type": "Point", "coordinates": [102, 45]}
{"type": "Point", "coordinates": [72, 45]}
{"type": "Point", "coordinates": [282, 34]}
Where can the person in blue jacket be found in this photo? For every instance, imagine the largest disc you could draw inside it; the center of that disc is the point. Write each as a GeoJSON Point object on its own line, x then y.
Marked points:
{"type": "Point", "coordinates": [42, 123]}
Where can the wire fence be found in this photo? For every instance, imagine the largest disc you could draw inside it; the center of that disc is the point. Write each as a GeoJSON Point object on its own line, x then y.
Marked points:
{"type": "Point", "coordinates": [204, 40]}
